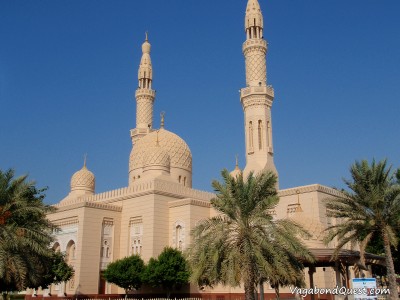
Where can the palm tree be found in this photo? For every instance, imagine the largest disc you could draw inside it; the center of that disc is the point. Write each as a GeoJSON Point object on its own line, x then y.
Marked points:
{"type": "Point", "coordinates": [371, 209]}
{"type": "Point", "coordinates": [244, 244]}
{"type": "Point", "coordinates": [25, 233]}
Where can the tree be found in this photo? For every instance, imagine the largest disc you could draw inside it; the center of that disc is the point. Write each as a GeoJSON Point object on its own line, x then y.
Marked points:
{"type": "Point", "coordinates": [169, 271]}
{"type": "Point", "coordinates": [25, 233]}
{"type": "Point", "coordinates": [126, 273]}
{"type": "Point", "coordinates": [53, 271]}
{"type": "Point", "coordinates": [370, 209]}
{"type": "Point", "coordinates": [244, 244]}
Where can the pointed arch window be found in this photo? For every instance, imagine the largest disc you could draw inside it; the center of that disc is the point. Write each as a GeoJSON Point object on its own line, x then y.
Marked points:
{"type": "Point", "coordinates": [269, 134]}
{"type": "Point", "coordinates": [260, 135]}
{"type": "Point", "coordinates": [250, 136]}
{"type": "Point", "coordinates": [178, 235]}
{"type": "Point", "coordinates": [70, 251]}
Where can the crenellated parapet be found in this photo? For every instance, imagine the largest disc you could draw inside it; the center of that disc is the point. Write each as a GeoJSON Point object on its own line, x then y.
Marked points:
{"type": "Point", "coordinates": [138, 189]}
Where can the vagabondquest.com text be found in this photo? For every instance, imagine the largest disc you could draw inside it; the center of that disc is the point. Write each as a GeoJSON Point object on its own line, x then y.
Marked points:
{"type": "Point", "coordinates": [344, 291]}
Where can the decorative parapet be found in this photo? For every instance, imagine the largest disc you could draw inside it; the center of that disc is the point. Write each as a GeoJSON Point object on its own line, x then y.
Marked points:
{"type": "Point", "coordinates": [65, 221]}
{"type": "Point", "coordinates": [79, 203]}
{"type": "Point", "coordinates": [194, 202]}
{"type": "Point", "coordinates": [310, 189]}
{"type": "Point", "coordinates": [178, 190]}
{"type": "Point", "coordinates": [138, 189]}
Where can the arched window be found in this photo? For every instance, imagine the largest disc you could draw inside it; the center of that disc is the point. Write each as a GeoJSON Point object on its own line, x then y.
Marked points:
{"type": "Point", "coordinates": [260, 135]}
{"type": "Point", "coordinates": [70, 251]}
{"type": "Point", "coordinates": [136, 247]}
{"type": "Point", "coordinates": [250, 136]}
{"type": "Point", "coordinates": [178, 234]}
{"type": "Point", "coordinates": [105, 249]}
{"type": "Point", "coordinates": [56, 247]}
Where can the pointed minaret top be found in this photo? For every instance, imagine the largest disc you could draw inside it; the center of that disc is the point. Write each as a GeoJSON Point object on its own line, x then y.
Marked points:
{"type": "Point", "coordinates": [145, 75]}
{"type": "Point", "coordinates": [254, 16]}
{"type": "Point", "coordinates": [146, 45]}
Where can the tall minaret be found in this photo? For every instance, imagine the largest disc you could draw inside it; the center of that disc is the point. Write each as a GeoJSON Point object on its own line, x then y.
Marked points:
{"type": "Point", "coordinates": [145, 95]}
{"type": "Point", "coordinates": [257, 97]}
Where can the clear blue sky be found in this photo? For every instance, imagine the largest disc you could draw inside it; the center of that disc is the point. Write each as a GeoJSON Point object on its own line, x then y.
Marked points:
{"type": "Point", "coordinates": [68, 73]}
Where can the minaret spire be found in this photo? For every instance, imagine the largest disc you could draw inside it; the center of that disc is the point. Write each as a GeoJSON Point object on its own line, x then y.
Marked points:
{"type": "Point", "coordinates": [257, 96]}
{"type": "Point", "coordinates": [145, 95]}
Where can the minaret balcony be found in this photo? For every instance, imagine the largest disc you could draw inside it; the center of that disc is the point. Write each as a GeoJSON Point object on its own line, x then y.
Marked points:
{"type": "Point", "coordinates": [257, 90]}
{"type": "Point", "coordinates": [255, 43]}
{"type": "Point", "coordinates": [145, 92]}
{"type": "Point", "coordinates": [139, 131]}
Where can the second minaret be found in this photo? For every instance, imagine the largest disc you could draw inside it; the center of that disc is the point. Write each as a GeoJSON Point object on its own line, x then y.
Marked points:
{"type": "Point", "coordinates": [257, 96]}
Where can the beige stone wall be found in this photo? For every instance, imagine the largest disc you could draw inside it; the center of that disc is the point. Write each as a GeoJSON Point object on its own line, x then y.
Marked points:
{"type": "Point", "coordinates": [86, 261]}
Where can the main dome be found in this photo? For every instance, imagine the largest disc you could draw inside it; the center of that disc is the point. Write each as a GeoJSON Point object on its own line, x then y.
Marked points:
{"type": "Point", "coordinates": [177, 149]}
{"type": "Point", "coordinates": [157, 157]}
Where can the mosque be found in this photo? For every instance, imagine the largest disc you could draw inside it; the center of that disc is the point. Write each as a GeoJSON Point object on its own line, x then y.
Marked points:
{"type": "Point", "coordinates": [159, 207]}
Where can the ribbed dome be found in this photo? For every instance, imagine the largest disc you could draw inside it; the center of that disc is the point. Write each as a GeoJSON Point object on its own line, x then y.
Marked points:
{"type": "Point", "coordinates": [83, 180]}
{"type": "Point", "coordinates": [157, 157]}
{"type": "Point", "coordinates": [173, 145]}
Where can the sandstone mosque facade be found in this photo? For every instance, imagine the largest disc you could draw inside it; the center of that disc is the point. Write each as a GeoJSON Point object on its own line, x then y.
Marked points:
{"type": "Point", "coordinates": [159, 207]}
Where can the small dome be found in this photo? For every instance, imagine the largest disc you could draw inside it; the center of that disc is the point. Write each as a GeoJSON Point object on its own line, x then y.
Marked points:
{"type": "Point", "coordinates": [156, 158]}
{"type": "Point", "coordinates": [236, 172]}
{"type": "Point", "coordinates": [83, 180]}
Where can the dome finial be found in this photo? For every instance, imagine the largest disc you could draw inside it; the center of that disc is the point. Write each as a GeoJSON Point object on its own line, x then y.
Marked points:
{"type": "Point", "coordinates": [237, 162]}
{"type": "Point", "coordinates": [147, 36]}
{"type": "Point", "coordinates": [84, 160]}
{"type": "Point", "coordinates": [162, 114]}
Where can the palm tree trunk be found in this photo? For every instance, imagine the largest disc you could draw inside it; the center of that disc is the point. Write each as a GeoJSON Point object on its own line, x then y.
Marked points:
{"type": "Point", "coordinates": [277, 294]}
{"type": "Point", "coordinates": [261, 289]}
{"type": "Point", "coordinates": [390, 268]}
{"type": "Point", "coordinates": [249, 288]}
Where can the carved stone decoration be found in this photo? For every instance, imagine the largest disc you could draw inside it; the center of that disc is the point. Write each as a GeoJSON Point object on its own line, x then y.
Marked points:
{"type": "Point", "coordinates": [178, 235]}
{"type": "Point", "coordinates": [135, 236]}
{"type": "Point", "coordinates": [106, 246]}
